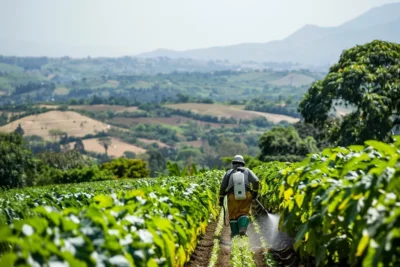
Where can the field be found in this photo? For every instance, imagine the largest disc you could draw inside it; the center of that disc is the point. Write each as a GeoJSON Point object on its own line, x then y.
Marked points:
{"type": "Point", "coordinates": [236, 112]}
{"type": "Point", "coordinates": [61, 91]}
{"type": "Point", "coordinates": [294, 79]}
{"type": "Point", "coordinates": [72, 123]}
{"type": "Point", "coordinates": [109, 229]}
{"type": "Point", "coordinates": [2, 93]}
{"type": "Point", "coordinates": [337, 208]}
{"type": "Point", "coordinates": [173, 121]}
{"type": "Point", "coordinates": [116, 149]}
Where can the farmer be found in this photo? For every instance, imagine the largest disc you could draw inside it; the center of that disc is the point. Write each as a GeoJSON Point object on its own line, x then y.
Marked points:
{"type": "Point", "coordinates": [241, 186]}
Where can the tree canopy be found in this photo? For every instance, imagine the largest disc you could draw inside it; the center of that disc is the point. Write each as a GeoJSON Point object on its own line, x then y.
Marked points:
{"type": "Point", "coordinates": [366, 77]}
{"type": "Point", "coordinates": [17, 165]}
{"type": "Point", "coordinates": [284, 144]}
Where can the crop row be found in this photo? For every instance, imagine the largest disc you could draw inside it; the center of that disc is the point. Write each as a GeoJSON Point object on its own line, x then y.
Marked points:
{"type": "Point", "coordinates": [156, 225]}
{"type": "Point", "coordinates": [17, 204]}
{"type": "Point", "coordinates": [341, 205]}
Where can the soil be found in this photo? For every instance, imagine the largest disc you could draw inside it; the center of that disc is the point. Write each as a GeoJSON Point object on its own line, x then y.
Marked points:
{"type": "Point", "coordinates": [201, 255]}
{"type": "Point", "coordinates": [225, 248]}
{"type": "Point", "coordinates": [259, 257]}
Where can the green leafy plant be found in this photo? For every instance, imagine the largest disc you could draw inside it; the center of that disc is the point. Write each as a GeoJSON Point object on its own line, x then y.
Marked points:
{"type": "Point", "coordinates": [241, 253]}
{"type": "Point", "coordinates": [157, 225]}
{"type": "Point", "coordinates": [341, 205]}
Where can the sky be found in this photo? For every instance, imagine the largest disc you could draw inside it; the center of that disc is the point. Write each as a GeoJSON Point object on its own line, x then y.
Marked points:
{"type": "Point", "coordinates": [130, 27]}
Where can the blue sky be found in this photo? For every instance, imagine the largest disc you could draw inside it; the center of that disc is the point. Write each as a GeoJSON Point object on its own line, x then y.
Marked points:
{"type": "Point", "coordinates": [133, 26]}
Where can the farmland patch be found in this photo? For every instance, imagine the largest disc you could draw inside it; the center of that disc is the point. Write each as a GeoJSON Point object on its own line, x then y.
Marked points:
{"type": "Point", "coordinates": [236, 112]}
{"type": "Point", "coordinates": [72, 123]}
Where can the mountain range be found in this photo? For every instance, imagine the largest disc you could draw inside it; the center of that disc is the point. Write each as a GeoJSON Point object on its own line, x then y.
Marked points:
{"type": "Point", "coordinates": [310, 45]}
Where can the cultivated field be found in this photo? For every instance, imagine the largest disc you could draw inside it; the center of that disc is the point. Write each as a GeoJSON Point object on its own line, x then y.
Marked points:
{"type": "Point", "coordinates": [74, 124]}
{"type": "Point", "coordinates": [230, 111]}
{"type": "Point", "coordinates": [116, 149]}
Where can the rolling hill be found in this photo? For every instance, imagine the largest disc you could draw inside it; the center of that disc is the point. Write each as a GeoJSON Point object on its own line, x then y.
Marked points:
{"type": "Point", "coordinates": [236, 112]}
{"type": "Point", "coordinates": [310, 45]}
{"type": "Point", "coordinates": [72, 123]}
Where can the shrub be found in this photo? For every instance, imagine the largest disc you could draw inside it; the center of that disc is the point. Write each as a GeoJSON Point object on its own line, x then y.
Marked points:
{"type": "Point", "coordinates": [127, 168]}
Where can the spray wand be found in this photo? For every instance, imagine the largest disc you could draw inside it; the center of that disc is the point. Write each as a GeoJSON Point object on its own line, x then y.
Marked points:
{"type": "Point", "coordinates": [261, 205]}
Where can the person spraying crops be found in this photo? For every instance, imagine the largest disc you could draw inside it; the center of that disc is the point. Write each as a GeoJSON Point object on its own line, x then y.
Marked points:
{"type": "Point", "coordinates": [240, 185]}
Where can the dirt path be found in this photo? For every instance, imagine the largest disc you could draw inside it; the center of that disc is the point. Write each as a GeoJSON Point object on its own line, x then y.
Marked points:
{"type": "Point", "coordinates": [201, 255]}
{"type": "Point", "coordinates": [225, 248]}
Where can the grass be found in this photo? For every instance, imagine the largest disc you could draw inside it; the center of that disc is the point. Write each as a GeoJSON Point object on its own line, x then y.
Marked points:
{"type": "Point", "coordinates": [142, 84]}
{"type": "Point", "coordinates": [10, 68]}
{"type": "Point", "coordinates": [108, 84]}
{"type": "Point", "coordinates": [61, 91]}
{"type": "Point", "coordinates": [4, 85]}
{"type": "Point", "coordinates": [293, 79]}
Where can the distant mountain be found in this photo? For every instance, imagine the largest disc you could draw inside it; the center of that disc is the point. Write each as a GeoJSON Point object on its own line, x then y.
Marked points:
{"type": "Point", "coordinates": [310, 45]}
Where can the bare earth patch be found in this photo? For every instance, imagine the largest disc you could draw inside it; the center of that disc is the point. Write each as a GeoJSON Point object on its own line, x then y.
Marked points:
{"type": "Point", "coordinates": [74, 124]}
{"type": "Point", "coordinates": [231, 111]}
{"type": "Point", "coordinates": [116, 149]}
{"type": "Point", "coordinates": [102, 107]}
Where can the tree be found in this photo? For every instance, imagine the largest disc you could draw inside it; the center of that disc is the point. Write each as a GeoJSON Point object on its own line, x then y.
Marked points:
{"type": "Point", "coordinates": [129, 155]}
{"type": "Point", "coordinates": [105, 142]}
{"type": "Point", "coordinates": [19, 130]}
{"type": "Point", "coordinates": [79, 146]}
{"type": "Point", "coordinates": [127, 168]}
{"type": "Point", "coordinates": [285, 144]}
{"type": "Point", "coordinates": [3, 118]}
{"type": "Point", "coordinates": [157, 162]}
{"type": "Point", "coordinates": [56, 133]}
{"type": "Point", "coordinates": [63, 160]}
{"type": "Point", "coordinates": [17, 165]}
{"type": "Point", "coordinates": [366, 77]}
{"type": "Point", "coordinates": [229, 148]}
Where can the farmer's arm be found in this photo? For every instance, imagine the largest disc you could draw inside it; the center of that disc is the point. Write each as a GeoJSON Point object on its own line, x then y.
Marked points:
{"type": "Point", "coordinates": [224, 185]}
{"type": "Point", "coordinates": [254, 181]}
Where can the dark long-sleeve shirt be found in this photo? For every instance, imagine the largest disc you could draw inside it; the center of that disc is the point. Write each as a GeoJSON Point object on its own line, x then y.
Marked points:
{"type": "Point", "coordinates": [251, 180]}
